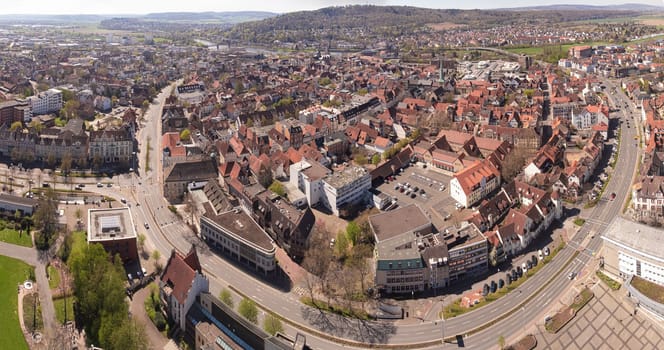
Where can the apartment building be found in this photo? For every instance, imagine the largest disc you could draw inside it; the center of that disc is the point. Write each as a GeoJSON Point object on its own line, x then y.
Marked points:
{"type": "Point", "coordinates": [49, 101]}
{"type": "Point", "coordinates": [346, 188]}
{"type": "Point", "coordinates": [474, 183]}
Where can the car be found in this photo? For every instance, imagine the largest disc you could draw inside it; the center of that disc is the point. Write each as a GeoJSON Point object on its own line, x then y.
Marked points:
{"type": "Point", "coordinates": [99, 184]}
{"type": "Point", "coordinates": [109, 185]}
{"type": "Point", "coordinates": [524, 267]}
{"type": "Point", "coordinates": [501, 283]}
{"type": "Point", "coordinates": [413, 195]}
{"type": "Point", "coordinates": [130, 277]}
{"type": "Point", "coordinates": [519, 271]}
{"type": "Point", "coordinates": [422, 191]}
{"type": "Point", "coordinates": [397, 187]}
{"type": "Point", "coordinates": [571, 275]}
{"type": "Point", "coordinates": [81, 185]}
{"type": "Point", "coordinates": [46, 185]}
{"type": "Point", "coordinates": [78, 188]}
{"type": "Point", "coordinates": [546, 251]}
{"type": "Point", "coordinates": [401, 189]}
{"type": "Point", "coordinates": [493, 286]}
{"type": "Point", "coordinates": [147, 227]}
{"type": "Point", "coordinates": [612, 196]}
{"type": "Point", "coordinates": [416, 188]}
{"type": "Point", "coordinates": [123, 200]}
{"type": "Point", "coordinates": [540, 254]}
{"type": "Point", "coordinates": [529, 264]}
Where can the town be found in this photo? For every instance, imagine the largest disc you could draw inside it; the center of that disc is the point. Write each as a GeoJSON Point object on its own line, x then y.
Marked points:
{"type": "Point", "coordinates": [282, 192]}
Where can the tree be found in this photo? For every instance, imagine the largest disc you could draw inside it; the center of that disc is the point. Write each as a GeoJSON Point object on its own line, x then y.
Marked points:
{"type": "Point", "coordinates": [375, 160]}
{"type": "Point", "coordinates": [65, 163]}
{"type": "Point", "coordinates": [185, 135]}
{"type": "Point", "coordinates": [36, 125]}
{"type": "Point", "coordinates": [141, 241]}
{"type": "Point", "coordinates": [513, 164]}
{"type": "Point", "coordinates": [70, 109]}
{"type": "Point", "coordinates": [15, 126]}
{"type": "Point", "coordinates": [129, 334]}
{"type": "Point", "coordinates": [341, 245]}
{"type": "Point", "coordinates": [248, 310]}
{"type": "Point", "coordinates": [353, 232]}
{"type": "Point", "coordinates": [277, 188]}
{"type": "Point", "coordinates": [361, 159]}
{"type": "Point", "coordinates": [272, 325]}
{"type": "Point", "coordinates": [45, 219]}
{"type": "Point", "coordinates": [156, 255]}
{"type": "Point", "coordinates": [501, 342]}
{"type": "Point", "coordinates": [145, 105]}
{"type": "Point", "coordinates": [226, 297]}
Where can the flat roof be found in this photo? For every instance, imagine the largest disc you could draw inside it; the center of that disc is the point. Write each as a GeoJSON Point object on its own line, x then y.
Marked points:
{"type": "Point", "coordinates": [642, 238]}
{"type": "Point", "coordinates": [241, 225]}
{"type": "Point", "coordinates": [110, 224]}
{"type": "Point", "coordinates": [8, 198]}
{"type": "Point", "coordinates": [346, 176]}
{"type": "Point", "coordinates": [393, 223]}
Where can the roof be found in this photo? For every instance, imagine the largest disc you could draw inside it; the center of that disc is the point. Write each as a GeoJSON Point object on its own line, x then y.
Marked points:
{"type": "Point", "coordinates": [191, 171]}
{"type": "Point", "coordinates": [171, 140]}
{"type": "Point", "coordinates": [642, 239]}
{"type": "Point", "coordinates": [180, 272]}
{"type": "Point", "coordinates": [8, 198]}
{"type": "Point", "coordinates": [393, 223]}
{"type": "Point", "coordinates": [241, 225]}
{"type": "Point", "coordinates": [350, 174]}
{"type": "Point", "coordinates": [472, 176]}
{"type": "Point", "coordinates": [110, 224]}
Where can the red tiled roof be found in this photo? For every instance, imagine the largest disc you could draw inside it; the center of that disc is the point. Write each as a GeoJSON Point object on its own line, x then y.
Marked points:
{"type": "Point", "coordinates": [171, 141]}
{"type": "Point", "coordinates": [180, 272]}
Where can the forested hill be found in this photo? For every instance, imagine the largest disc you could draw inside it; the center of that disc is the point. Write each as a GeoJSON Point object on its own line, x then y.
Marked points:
{"type": "Point", "coordinates": [338, 22]}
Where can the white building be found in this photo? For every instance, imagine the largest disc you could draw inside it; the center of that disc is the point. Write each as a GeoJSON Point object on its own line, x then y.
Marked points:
{"type": "Point", "coordinates": [474, 183]}
{"type": "Point", "coordinates": [180, 283]}
{"type": "Point", "coordinates": [589, 116]}
{"type": "Point", "coordinates": [346, 188]}
{"type": "Point", "coordinates": [46, 102]}
{"type": "Point", "coordinates": [308, 176]}
{"type": "Point", "coordinates": [239, 237]}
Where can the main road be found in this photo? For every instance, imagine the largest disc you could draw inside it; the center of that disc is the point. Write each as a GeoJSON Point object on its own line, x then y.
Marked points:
{"type": "Point", "coordinates": [512, 312]}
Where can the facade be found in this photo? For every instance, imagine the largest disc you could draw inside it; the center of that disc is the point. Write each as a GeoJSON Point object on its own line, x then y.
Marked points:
{"type": "Point", "coordinates": [648, 199]}
{"type": "Point", "coordinates": [180, 284]}
{"type": "Point", "coordinates": [111, 146]}
{"type": "Point", "coordinates": [239, 237]}
{"type": "Point", "coordinates": [46, 102]}
{"type": "Point", "coordinates": [468, 251]}
{"type": "Point", "coordinates": [590, 116]}
{"type": "Point", "coordinates": [9, 203]}
{"type": "Point", "coordinates": [633, 249]}
{"type": "Point", "coordinates": [287, 225]}
{"type": "Point", "coordinates": [113, 228]}
{"type": "Point", "coordinates": [399, 235]}
{"type": "Point", "coordinates": [474, 183]}
{"type": "Point", "coordinates": [308, 176]}
{"type": "Point", "coordinates": [14, 111]}
{"type": "Point", "coordinates": [179, 175]}
{"type": "Point", "coordinates": [346, 188]}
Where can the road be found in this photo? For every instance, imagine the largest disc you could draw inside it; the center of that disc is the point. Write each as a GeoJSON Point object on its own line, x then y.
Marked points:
{"type": "Point", "coordinates": [167, 232]}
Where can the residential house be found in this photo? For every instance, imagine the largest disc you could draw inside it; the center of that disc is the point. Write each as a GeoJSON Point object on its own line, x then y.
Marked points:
{"type": "Point", "coordinates": [474, 183]}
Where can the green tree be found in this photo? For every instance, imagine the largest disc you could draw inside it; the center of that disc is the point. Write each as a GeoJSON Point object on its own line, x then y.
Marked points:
{"type": "Point", "coordinates": [128, 334]}
{"type": "Point", "coordinates": [156, 256]}
{"type": "Point", "coordinates": [324, 81]}
{"type": "Point", "coordinates": [99, 287]}
{"type": "Point", "coordinates": [361, 159]}
{"type": "Point", "coordinates": [226, 297]}
{"type": "Point", "coordinates": [248, 310]}
{"type": "Point", "coordinates": [15, 126]}
{"type": "Point", "coordinates": [272, 325]}
{"type": "Point", "coordinates": [277, 188]}
{"type": "Point", "coordinates": [185, 135]}
{"type": "Point", "coordinates": [141, 241]}
{"type": "Point", "coordinates": [375, 160]}
{"type": "Point", "coordinates": [353, 232]}
{"type": "Point", "coordinates": [67, 95]}
{"type": "Point", "coordinates": [341, 245]}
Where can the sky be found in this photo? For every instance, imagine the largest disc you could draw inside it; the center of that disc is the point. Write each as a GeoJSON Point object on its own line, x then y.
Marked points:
{"type": "Point", "coordinates": [279, 6]}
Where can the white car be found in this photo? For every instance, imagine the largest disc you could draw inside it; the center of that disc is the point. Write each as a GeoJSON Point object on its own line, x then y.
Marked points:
{"type": "Point", "coordinates": [524, 267]}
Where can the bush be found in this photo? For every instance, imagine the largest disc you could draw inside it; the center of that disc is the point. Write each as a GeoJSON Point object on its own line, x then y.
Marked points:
{"type": "Point", "coordinates": [608, 280]}
{"type": "Point", "coordinates": [159, 321]}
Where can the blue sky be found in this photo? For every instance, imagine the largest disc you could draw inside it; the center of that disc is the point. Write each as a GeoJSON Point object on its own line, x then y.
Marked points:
{"type": "Point", "coordinates": [147, 6]}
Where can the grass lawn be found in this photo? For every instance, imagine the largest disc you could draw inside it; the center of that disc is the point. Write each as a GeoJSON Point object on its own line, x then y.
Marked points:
{"type": "Point", "coordinates": [11, 236]}
{"type": "Point", "coordinates": [12, 272]}
{"type": "Point", "coordinates": [59, 305]}
{"type": "Point", "coordinates": [53, 277]}
{"type": "Point", "coordinates": [582, 299]}
{"type": "Point", "coordinates": [579, 221]}
{"type": "Point", "coordinates": [649, 289]}
{"type": "Point", "coordinates": [614, 285]}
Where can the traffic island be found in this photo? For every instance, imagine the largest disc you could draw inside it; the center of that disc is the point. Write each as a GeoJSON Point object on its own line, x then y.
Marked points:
{"type": "Point", "coordinates": [562, 317]}
{"type": "Point", "coordinates": [528, 342]}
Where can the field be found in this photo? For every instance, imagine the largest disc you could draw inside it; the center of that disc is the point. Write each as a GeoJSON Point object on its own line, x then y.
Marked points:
{"type": "Point", "coordinates": [12, 272]}
{"type": "Point", "coordinates": [11, 236]}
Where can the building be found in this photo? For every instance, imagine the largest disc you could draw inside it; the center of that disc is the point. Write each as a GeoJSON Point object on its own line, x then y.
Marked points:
{"type": "Point", "coordinates": [49, 101]}
{"type": "Point", "coordinates": [307, 176]}
{"type": "Point", "coordinates": [399, 235]}
{"type": "Point", "coordinates": [648, 199]}
{"type": "Point", "coordinates": [344, 190]}
{"type": "Point", "coordinates": [112, 146]}
{"type": "Point", "coordinates": [287, 225]}
{"type": "Point", "coordinates": [474, 183]}
{"type": "Point", "coordinates": [11, 204]}
{"type": "Point", "coordinates": [113, 228]}
{"type": "Point", "coordinates": [239, 237]}
{"type": "Point", "coordinates": [633, 250]}
{"type": "Point", "coordinates": [468, 251]}
{"type": "Point", "coordinates": [180, 284]}
{"type": "Point", "coordinates": [14, 111]}
{"type": "Point", "coordinates": [213, 326]}
{"type": "Point", "coordinates": [177, 176]}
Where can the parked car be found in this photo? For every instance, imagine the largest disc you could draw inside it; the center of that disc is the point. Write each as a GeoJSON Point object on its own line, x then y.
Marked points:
{"type": "Point", "coordinates": [413, 195]}
{"type": "Point", "coordinates": [540, 254]}
{"type": "Point", "coordinates": [524, 267]}
{"type": "Point", "coordinates": [508, 278]}
{"type": "Point", "coordinates": [529, 264]}
{"type": "Point", "coordinates": [501, 283]}
{"type": "Point", "coordinates": [546, 251]}
{"type": "Point", "coordinates": [485, 290]}
{"type": "Point", "coordinates": [519, 271]}
{"type": "Point", "coordinates": [533, 260]}
{"type": "Point", "coordinates": [109, 185]}
{"type": "Point", "coordinates": [147, 227]}
{"type": "Point", "coordinates": [99, 184]}
{"type": "Point", "coordinates": [493, 286]}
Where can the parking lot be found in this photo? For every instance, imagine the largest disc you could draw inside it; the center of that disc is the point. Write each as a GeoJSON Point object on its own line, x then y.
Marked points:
{"type": "Point", "coordinates": [435, 200]}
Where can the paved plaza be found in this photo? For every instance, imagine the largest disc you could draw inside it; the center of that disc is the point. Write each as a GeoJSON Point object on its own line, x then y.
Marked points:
{"type": "Point", "coordinates": [605, 323]}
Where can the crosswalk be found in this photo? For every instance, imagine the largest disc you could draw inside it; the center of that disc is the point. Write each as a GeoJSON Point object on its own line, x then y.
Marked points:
{"type": "Point", "coordinates": [299, 291]}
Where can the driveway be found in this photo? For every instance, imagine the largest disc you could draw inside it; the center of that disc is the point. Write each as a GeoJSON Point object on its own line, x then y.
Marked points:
{"type": "Point", "coordinates": [155, 339]}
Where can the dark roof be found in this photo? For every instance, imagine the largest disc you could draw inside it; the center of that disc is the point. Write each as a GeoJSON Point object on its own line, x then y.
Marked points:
{"type": "Point", "coordinates": [393, 223]}
{"type": "Point", "coordinates": [241, 225]}
{"type": "Point", "coordinates": [191, 171]}
{"type": "Point", "coordinates": [7, 198]}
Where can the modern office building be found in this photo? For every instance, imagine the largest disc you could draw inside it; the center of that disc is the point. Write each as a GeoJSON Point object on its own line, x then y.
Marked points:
{"type": "Point", "coordinates": [113, 228]}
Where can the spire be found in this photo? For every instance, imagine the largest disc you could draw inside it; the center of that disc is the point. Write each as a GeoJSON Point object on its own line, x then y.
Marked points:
{"type": "Point", "coordinates": [440, 71]}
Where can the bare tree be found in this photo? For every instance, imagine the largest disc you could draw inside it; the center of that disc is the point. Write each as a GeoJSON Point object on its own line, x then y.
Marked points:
{"type": "Point", "coordinates": [513, 164]}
